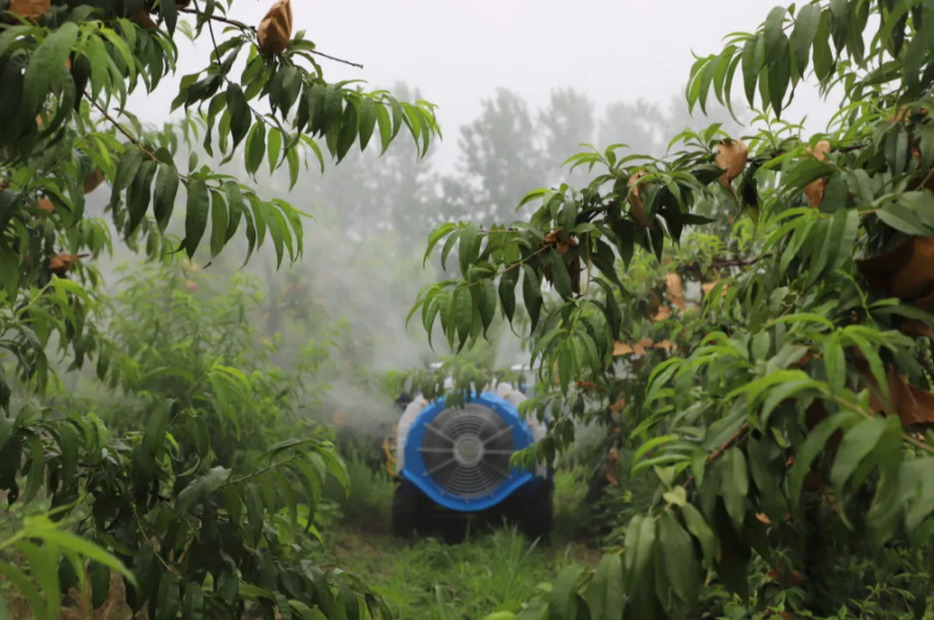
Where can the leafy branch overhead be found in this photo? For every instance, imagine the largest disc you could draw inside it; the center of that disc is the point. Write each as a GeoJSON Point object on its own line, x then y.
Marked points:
{"type": "Point", "coordinates": [64, 71]}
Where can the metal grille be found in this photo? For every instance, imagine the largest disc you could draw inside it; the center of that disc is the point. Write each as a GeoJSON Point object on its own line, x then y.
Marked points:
{"type": "Point", "coordinates": [466, 450]}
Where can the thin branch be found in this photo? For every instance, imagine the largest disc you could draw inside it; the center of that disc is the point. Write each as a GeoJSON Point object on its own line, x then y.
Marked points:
{"type": "Point", "coordinates": [136, 142]}
{"type": "Point", "coordinates": [243, 26]}
{"type": "Point", "coordinates": [336, 59]}
{"type": "Point", "coordinates": [219, 18]}
{"type": "Point", "coordinates": [720, 450]}
{"type": "Point", "coordinates": [738, 262]}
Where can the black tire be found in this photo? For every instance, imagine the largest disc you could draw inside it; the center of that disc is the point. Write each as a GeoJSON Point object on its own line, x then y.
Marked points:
{"type": "Point", "coordinates": [406, 510]}
{"type": "Point", "coordinates": [537, 512]}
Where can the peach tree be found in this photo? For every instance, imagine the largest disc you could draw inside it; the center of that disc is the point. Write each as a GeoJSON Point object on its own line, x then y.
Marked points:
{"type": "Point", "coordinates": [772, 382]}
{"type": "Point", "coordinates": [203, 510]}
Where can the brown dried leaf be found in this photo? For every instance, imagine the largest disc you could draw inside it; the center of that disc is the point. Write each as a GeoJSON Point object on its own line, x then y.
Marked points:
{"type": "Point", "coordinates": [914, 327]}
{"type": "Point", "coordinates": [732, 156]}
{"type": "Point", "coordinates": [662, 314]}
{"type": "Point", "coordinates": [636, 203]}
{"type": "Point", "coordinates": [903, 113]}
{"type": "Point", "coordinates": [906, 272]}
{"type": "Point", "coordinates": [675, 286]}
{"type": "Point", "coordinates": [142, 19]}
{"type": "Point", "coordinates": [62, 263]}
{"type": "Point", "coordinates": [913, 406]}
{"type": "Point", "coordinates": [786, 576]}
{"type": "Point", "coordinates": [639, 348]}
{"type": "Point", "coordinates": [46, 205]}
{"type": "Point", "coordinates": [275, 30]}
{"type": "Point", "coordinates": [916, 277]}
{"type": "Point", "coordinates": [93, 180]}
{"type": "Point", "coordinates": [814, 191]}
{"type": "Point", "coordinates": [29, 9]}
{"type": "Point", "coordinates": [820, 150]}
{"type": "Point", "coordinates": [706, 287]}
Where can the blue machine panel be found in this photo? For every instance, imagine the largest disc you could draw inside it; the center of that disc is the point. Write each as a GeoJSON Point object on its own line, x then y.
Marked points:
{"type": "Point", "coordinates": [414, 468]}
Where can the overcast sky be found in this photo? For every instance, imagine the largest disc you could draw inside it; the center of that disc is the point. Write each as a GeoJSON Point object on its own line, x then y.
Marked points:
{"type": "Point", "coordinates": [458, 52]}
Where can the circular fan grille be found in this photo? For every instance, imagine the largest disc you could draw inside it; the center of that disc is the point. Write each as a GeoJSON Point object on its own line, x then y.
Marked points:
{"type": "Point", "coordinates": [466, 450]}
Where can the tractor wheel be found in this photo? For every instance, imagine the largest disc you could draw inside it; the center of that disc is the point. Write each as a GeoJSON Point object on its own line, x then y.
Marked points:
{"type": "Point", "coordinates": [406, 509]}
{"type": "Point", "coordinates": [536, 515]}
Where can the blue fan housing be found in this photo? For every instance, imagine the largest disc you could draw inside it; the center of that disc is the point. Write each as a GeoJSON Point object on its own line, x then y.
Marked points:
{"type": "Point", "coordinates": [459, 456]}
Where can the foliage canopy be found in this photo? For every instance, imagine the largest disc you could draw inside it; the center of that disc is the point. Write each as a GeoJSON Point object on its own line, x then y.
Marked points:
{"type": "Point", "coordinates": [203, 485]}
{"type": "Point", "coordinates": [774, 383]}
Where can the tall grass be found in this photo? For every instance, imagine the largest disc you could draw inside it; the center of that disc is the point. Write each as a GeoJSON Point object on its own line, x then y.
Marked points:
{"type": "Point", "coordinates": [429, 580]}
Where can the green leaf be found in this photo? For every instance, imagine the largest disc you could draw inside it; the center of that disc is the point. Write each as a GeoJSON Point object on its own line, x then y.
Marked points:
{"type": "Point", "coordinates": [507, 292]}
{"type": "Point", "coordinates": [486, 302]}
{"type": "Point", "coordinates": [734, 484]}
{"type": "Point", "coordinates": [200, 489]}
{"type": "Point", "coordinates": [436, 235]}
{"type": "Point", "coordinates": [167, 601]}
{"type": "Point", "coordinates": [531, 294]}
{"type": "Point", "coordinates": [42, 565]}
{"type": "Point", "coordinates": [469, 248]}
{"type": "Point", "coordinates": [76, 544]}
{"type": "Point", "coordinates": [219, 221]}
{"type": "Point", "coordinates": [196, 216]}
{"type": "Point", "coordinates": [273, 148]}
{"type": "Point", "coordinates": [385, 127]}
{"type": "Point", "coordinates": [368, 113]}
{"type": "Point", "coordinates": [677, 552]}
{"type": "Point", "coordinates": [775, 41]}
{"type": "Point", "coordinates": [348, 132]}
{"type": "Point", "coordinates": [779, 73]}
{"type": "Point", "coordinates": [834, 364]}
{"type": "Point", "coordinates": [126, 169]}
{"type": "Point", "coordinates": [640, 545]}
{"type": "Point", "coordinates": [46, 69]}
{"type": "Point", "coordinates": [822, 54]}
{"type": "Point", "coordinates": [910, 213]}
{"type": "Point", "coordinates": [857, 443]}
{"type": "Point", "coordinates": [562, 602]}
{"type": "Point", "coordinates": [25, 587]}
{"type": "Point", "coordinates": [750, 68]}
{"type": "Point", "coordinates": [332, 107]}
{"type": "Point", "coordinates": [255, 148]}
{"type": "Point", "coordinates": [163, 201]}
{"type": "Point", "coordinates": [802, 37]}
{"type": "Point", "coordinates": [698, 527]}
{"type": "Point", "coordinates": [193, 602]}
{"type": "Point", "coordinates": [37, 468]}
{"type": "Point", "coordinates": [169, 11]}
{"type": "Point", "coordinates": [560, 277]}
{"type": "Point", "coordinates": [235, 201]}
{"type": "Point", "coordinates": [139, 195]}
{"type": "Point", "coordinates": [606, 596]}
{"type": "Point", "coordinates": [100, 584]}
{"type": "Point", "coordinates": [240, 116]}
{"type": "Point", "coordinates": [812, 446]}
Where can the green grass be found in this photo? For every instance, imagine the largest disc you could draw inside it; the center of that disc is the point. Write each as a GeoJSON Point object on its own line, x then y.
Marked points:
{"type": "Point", "coordinates": [429, 580]}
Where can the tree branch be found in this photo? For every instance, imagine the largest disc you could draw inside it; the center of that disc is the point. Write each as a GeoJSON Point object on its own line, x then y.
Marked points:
{"type": "Point", "coordinates": [220, 18]}
{"type": "Point", "coordinates": [244, 26]}
{"type": "Point", "coordinates": [336, 59]}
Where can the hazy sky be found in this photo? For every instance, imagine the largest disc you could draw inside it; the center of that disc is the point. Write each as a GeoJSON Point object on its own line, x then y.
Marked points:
{"type": "Point", "coordinates": [457, 53]}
